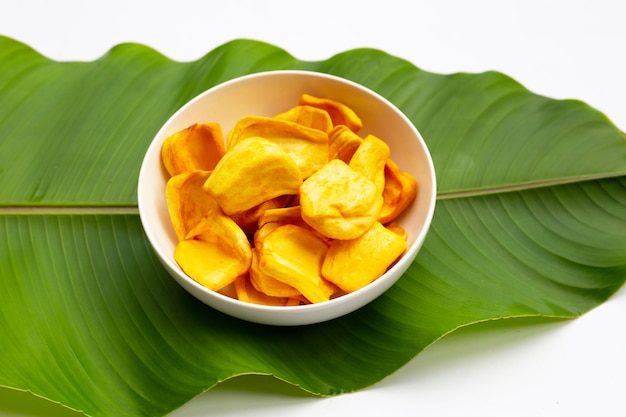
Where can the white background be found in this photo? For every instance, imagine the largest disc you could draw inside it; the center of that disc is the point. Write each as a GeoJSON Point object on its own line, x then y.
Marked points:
{"type": "Point", "coordinates": [561, 49]}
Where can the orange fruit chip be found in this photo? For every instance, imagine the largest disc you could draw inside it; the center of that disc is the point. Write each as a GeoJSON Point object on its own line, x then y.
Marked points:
{"type": "Point", "coordinates": [308, 147]}
{"type": "Point", "coordinates": [339, 202]}
{"type": "Point", "coordinates": [246, 292]}
{"type": "Point", "coordinates": [370, 159]}
{"type": "Point", "coordinates": [252, 172]}
{"type": "Point", "coordinates": [397, 229]}
{"type": "Point", "coordinates": [197, 147]}
{"type": "Point", "coordinates": [309, 116]}
{"type": "Point", "coordinates": [187, 203]}
{"type": "Point", "coordinates": [400, 190]}
{"type": "Point", "coordinates": [249, 219]}
{"type": "Point", "coordinates": [267, 284]}
{"type": "Point", "coordinates": [352, 264]}
{"type": "Point", "coordinates": [285, 215]}
{"type": "Point", "coordinates": [215, 252]}
{"type": "Point", "coordinates": [342, 143]}
{"type": "Point", "coordinates": [339, 113]}
{"type": "Point", "coordinates": [294, 256]}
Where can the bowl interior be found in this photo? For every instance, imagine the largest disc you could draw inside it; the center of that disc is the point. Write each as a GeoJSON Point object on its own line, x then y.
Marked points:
{"type": "Point", "coordinates": [267, 94]}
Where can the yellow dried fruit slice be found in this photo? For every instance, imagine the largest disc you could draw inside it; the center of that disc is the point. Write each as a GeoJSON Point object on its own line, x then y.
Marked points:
{"type": "Point", "coordinates": [339, 113]}
{"type": "Point", "coordinates": [285, 215]}
{"type": "Point", "coordinates": [208, 263]}
{"type": "Point", "coordinates": [309, 116]}
{"type": "Point", "coordinates": [186, 201]}
{"type": "Point", "coordinates": [339, 202]}
{"type": "Point", "coordinates": [198, 147]}
{"type": "Point", "coordinates": [254, 171]}
{"type": "Point", "coordinates": [307, 146]}
{"type": "Point", "coordinates": [352, 264]}
{"type": "Point", "coordinates": [215, 252]}
{"type": "Point", "coordinates": [267, 284]}
{"type": "Point", "coordinates": [370, 159]}
{"type": "Point", "coordinates": [397, 229]}
{"type": "Point", "coordinates": [342, 143]}
{"type": "Point", "coordinates": [294, 256]}
{"type": "Point", "coordinates": [399, 191]}
{"type": "Point", "coordinates": [273, 218]}
{"type": "Point", "coordinates": [246, 292]}
{"type": "Point", "coordinates": [263, 231]}
{"type": "Point", "coordinates": [249, 219]}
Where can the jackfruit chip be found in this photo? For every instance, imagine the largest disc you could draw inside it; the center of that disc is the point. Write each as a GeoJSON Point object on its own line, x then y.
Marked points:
{"type": "Point", "coordinates": [352, 264]}
{"type": "Point", "coordinates": [249, 219]}
{"type": "Point", "coordinates": [307, 146]}
{"type": "Point", "coordinates": [186, 201]}
{"type": "Point", "coordinates": [254, 171]}
{"type": "Point", "coordinates": [309, 116]}
{"type": "Point", "coordinates": [197, 147]}
{"type": "Point", "coordinates": [267, 284]}
{"type": "Point", "coordinates": [399, 191]}
{"type": "Point", "coordinates": [273, 218]}
{"type": "Point", "coordinates": [246, 292]}
{"type": "Point", "coordinates": [339, 202]}
{"type": "Point", "coordinates": [340, 113]}
{"type": "Point", "coordinates": [285, 215]}
{"type": "Point", "coordinates": [215, 252]}
{"type": "Point", "coordinates": [370, 159]}
{"type": "Point", "coordinates": [397, 229]}
{"type": "Point", "coordinates": [294, 256]}
{"type": "Point", "coordinates": [342, 143]}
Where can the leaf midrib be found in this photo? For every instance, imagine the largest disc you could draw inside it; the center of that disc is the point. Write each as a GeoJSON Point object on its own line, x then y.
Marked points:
{"type": "Point", "coordinates": [528, 186]}
{"type": "Point", "coordinates": [52, 209]}
{"type": "Point", "coordinates": [55, 209]}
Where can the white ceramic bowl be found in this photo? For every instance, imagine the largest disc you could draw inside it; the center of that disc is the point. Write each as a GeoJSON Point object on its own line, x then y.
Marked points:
{"type": "Point", "coordinates": [267, 94]}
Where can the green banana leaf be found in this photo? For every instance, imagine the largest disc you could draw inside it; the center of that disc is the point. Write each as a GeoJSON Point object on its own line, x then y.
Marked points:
{"type": "Point", "coordinates": [530, 223]}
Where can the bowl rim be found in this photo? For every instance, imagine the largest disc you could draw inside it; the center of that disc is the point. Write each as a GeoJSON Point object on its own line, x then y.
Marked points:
{"type": "Point", "coordinates": [399, 267]}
